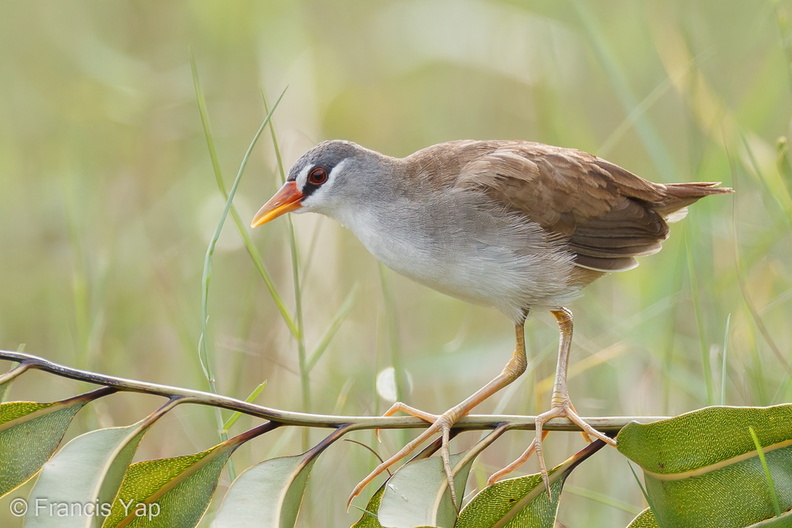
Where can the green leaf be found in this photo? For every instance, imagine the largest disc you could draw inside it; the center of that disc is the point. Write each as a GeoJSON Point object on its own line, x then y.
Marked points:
{"type": "Point", "coordinates": [417, 494]}
{"type": "Point", "coordinates": [702, 468]}
{"type": "Point", "coordinates": [169, 492]}
{"type": "Point", "coordinates": [645, 519]}
{"type": "Point", "coordinates": [369, 518]}
{"type": "Point", "coordinates": [522, 502]}
{"type": "Point", "coordinates": [783, 521]}
{"type": "Point", "coordinates": [29, 434]}
{"type": "Point", "coordinates": [76, 487]}
{"type": "Point", "coordinates": [270, 493]}
{"type": "Point", "coordinates": [267, 495]}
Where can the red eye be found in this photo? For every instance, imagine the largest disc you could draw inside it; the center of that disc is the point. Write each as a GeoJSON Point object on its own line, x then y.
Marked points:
{"type": "Point", "coordinates": [317, 176]}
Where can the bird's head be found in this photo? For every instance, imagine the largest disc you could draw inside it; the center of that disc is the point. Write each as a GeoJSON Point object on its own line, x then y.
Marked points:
{"type": "Point", "coordinates": [325, 179]}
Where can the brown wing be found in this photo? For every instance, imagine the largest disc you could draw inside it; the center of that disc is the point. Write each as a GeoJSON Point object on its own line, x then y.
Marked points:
{"type": "Point", "coordinates": [607, 215]}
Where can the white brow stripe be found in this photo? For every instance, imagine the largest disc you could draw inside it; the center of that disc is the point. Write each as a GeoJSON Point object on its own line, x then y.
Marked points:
{"type": "Point", "coordinates": [300, 180]}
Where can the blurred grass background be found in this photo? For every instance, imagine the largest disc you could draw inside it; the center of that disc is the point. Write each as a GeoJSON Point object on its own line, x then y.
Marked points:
{"type": "Point", "coordinates": [108, 202]}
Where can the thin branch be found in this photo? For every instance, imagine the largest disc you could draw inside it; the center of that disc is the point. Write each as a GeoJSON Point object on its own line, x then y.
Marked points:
{"type": "Point", "coordinates": [280, 417]}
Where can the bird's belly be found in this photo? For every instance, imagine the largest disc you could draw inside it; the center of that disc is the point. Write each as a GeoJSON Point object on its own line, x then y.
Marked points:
{"type": "Point", "coordinates": [512, 268]}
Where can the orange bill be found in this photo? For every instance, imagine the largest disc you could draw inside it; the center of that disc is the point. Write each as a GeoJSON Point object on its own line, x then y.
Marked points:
{"type": "Point", "coordinates": [285, 200]}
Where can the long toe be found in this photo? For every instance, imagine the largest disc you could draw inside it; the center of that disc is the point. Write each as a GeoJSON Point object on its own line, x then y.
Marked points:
{"type": "Point", "coordinates": [568, 411]}
{"type": "Point", "coordinates": [565, 410]}
{"type": "Point", "coordinates": [412, 411]}
{"type": "Point", "coordinates": [562, 410]}
{"type": "Point", "coordinates": [442, 425]}
{"type": "Point", "coordinates": [522, 459]}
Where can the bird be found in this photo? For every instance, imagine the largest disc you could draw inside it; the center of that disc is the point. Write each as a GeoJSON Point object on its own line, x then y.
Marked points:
{"type": "Point", "coordinates": [513, 224]}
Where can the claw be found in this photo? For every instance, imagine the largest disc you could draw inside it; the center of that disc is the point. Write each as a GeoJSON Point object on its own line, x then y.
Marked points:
{"type": "Point", "coordinates": [563, 409]}
{"type": "Point", "coordinates": [445, 453]}
{"type": "Point", "coordinates": [403, 452]}
{"type": "Point", "coordinates": [442, 424]}
{"type": "Point", "coordinates": [498, 475]}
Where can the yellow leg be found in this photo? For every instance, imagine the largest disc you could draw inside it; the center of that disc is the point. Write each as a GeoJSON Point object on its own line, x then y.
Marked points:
{"type": "Point", "coordinates": [443, 423]}
{"type": "Point", "coordinates": [560, 405]}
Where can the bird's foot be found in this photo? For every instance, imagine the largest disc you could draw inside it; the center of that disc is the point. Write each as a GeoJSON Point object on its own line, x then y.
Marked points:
{"type": "Point", "coordinates": [439, 424]}
{"type": "Point", "coordinates": [560, 409]}
{"type": "Point", "coordinates": [412, 411]}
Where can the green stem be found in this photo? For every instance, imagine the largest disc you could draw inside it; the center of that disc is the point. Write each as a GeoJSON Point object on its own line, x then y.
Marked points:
{"type": "Point", "coordinates": [704, 348]}
{"type": "Point", "coordinates": [302, 355]}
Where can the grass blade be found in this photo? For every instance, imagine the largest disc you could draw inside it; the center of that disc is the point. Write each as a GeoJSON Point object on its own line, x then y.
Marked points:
{"type": "Point", "coordinates": [250, 399]}
{"type": "Point", "coordinates": [343, 311]}
{"type": "Point", "coordinates": [768, 476]}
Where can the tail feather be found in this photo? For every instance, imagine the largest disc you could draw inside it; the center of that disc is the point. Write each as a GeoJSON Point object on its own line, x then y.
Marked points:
{"type": "Point", "coordinates": [680, 195]}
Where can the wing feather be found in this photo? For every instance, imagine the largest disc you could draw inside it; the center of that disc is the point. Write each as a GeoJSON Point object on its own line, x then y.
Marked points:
{"type": "Point", "coordinates": [606, 214]}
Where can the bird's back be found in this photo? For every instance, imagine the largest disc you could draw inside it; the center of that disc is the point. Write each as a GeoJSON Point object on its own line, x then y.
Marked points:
{"type": "Point", "coordinates": [605, 214]}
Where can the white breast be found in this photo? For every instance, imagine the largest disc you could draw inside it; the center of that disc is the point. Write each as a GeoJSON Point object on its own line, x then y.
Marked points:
{"type": "Point", "coordinates": [469, 251]}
